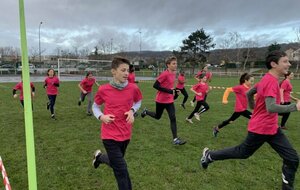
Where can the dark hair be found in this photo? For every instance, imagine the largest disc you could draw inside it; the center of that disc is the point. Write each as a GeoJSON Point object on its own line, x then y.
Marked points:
{"type": "Point", "coordinates": [87, 74]}
{"type": "Point", "coordinates": [170, 59]}
{"type": "Point", "coordinates": [131, 68]}
{"type": "Point", "coordinates": [202, 75]}
{"type": "Point", "coordinates": [117, 61]}
{"type": "Point", "coordinates": [287, 74]}
{"type": "Point", "coordinates": [245, 77]}
{"type": "Point", "coordinates": [274, 56]}
{"type": "Point", "coordinates": [49, 70]}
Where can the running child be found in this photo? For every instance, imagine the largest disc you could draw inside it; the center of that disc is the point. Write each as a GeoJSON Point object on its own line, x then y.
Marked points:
{"type": "Point", "coordinates": [286, 88]}
{"type": "Point", "coordinates": [51, 85]}
{"type": "Point", "coordinates": [241, 103]}
{"type": "Point", "coordinates": [86, 88]}
{"type": "Point", "coordinates": [201, 89]}
{"type": "Point", "coordinates": [180, 86]}
{"type": "Point", "coordinates": [121, 100]}
{"type": "Point", "coordinates": [131, 75]}
{"type": "Point", "coordinates": [263, 125]}
{"type": "Point", "coordinates": [165, 98]}
{"type": "Point", "coordinates": [19, 87]}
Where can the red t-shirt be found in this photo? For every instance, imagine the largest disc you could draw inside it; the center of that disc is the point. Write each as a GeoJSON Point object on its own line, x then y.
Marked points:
{"type": "Point", "coordinates": [287, 89]}
{"type": "Point", "coordinates": [263, 122]}
{"type": "Point", "coordinates": [201, 87]}
{"type": "Point", "coordinates": [180, 85]}
{"type": "Point", "coordinates": [166, 80]}
{"type": "Point", "coordinates": [117, 102]}
{"type": "Point", "coordinates": [131, 77]}
{"type": "Point", "coordinates": [51, 89]}
{"type": "Point", "coordinates": [241, 102]}
{"type": "Point", "coordinates": [19, 86]}
{"type": "Point", "coordinates": [87, 84]}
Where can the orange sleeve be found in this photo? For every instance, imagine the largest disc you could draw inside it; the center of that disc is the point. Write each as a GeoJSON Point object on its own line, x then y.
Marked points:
{"type": "Point", "coordinates": [226, 94]}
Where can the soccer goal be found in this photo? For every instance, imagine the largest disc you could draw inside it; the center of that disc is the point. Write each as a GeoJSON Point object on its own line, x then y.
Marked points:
{"type": "Point", "coordinates": [73, 67]}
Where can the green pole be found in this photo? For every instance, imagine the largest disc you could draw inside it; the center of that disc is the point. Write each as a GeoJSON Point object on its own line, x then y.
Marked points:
{"type": "Point", "coordinates": [32, 182]}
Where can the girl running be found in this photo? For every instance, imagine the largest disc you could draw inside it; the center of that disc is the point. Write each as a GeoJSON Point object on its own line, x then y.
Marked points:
{"type": "Point", "coordinates": [285, 96]}
{"type": "Point", "coordinates": [241, 103]}
{"type": "Point", "coordinates": [201, 89]}
{"type": "Point", "coordinates": [51, 85]}
{"type": "Point", "coordinates": [86, 88]}
{"type": "Point", "coordinates": [180, 86]}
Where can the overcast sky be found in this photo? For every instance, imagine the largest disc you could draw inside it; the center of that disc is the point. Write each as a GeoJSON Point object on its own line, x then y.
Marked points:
{"type": "Point", "coordinates": [160, 24]}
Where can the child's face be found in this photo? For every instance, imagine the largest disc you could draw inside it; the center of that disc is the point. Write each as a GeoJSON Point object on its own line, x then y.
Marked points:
{"type": "Point", "coordinates": [249, 82]}
{"type": "Point", "coordinates": [51, 73]}
{"type": "Point", "coordinates": [282, 66]}
{"type": "Point", "coordinates": [172, 66]}
{"type": "Point", "coordinates": [204, 79]}
{"type": "Point", "coordinates": [90, 76]}
{"type": "Point", "coordinates": [121, 73]}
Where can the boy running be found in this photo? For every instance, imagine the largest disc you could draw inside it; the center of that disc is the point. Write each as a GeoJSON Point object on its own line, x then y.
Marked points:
{"type": "Point", "coordinates": [121, 100]}
{"type": "Point", "coordinates": [263, 125]}
{"type": "Point", "coordinates": [180, 86]}
{"type": "Point", "coordinates": [165, 98]}
{"type": "Point", "coordinates": [19, 87]}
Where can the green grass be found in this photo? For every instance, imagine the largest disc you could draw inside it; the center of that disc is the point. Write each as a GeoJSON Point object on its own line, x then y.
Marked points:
{"type": "Point", "coordinates": [64, 148]}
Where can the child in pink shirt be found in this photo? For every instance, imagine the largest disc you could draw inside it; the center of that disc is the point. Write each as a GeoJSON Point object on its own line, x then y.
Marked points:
{"type": "Point", "coordinates": [51, 85]}
{"type": "Point", "coordinates": [86, 88]}
{"type": "Point", "coordinates": [263, 125]}
{"type": "Point", "coordinates": [180, 86]}
{"type": "Point", "coordinates": [121, 100]}
{"type": "Point", "coordinates": [286, 88]}
{"type": "Point", "coordinates": [165, 97]}
{"type": "Point", "coordinates": [19, 87]}
{"type": "Point", "coordinates": [241, 103]}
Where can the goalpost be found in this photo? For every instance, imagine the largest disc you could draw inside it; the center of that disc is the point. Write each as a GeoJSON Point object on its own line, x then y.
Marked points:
{"type": "Point", "coordinates": [73, 67]}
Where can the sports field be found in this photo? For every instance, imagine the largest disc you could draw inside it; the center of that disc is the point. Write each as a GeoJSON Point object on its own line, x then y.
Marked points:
{"type": "Point", "coordinates": [65, 147]}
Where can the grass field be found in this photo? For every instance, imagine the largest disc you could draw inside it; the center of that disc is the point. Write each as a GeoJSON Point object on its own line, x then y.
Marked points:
{"type": "Point", "coordinates": [65, 147]}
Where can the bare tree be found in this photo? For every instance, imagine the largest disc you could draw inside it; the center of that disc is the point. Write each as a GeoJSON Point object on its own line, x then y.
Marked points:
{"type": "Point", "coordinates": [236, 40]}
{"type": "Point", "coordinates": [249, 45]}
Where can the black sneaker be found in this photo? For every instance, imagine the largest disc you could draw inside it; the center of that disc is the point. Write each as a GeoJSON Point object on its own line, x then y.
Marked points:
{"type": "Point", "coordinates": [79, 103]}
{"type": "Point", "coordinates": [178, 141]}
{"type": "Point", "coordinates": [89, 114]}
{"type": "Point", "coordinates": [144, 112]}
{"type": "Point", "coordinates": [183, 106]}
{"type": "Point", "coordinates": [205, 160]}
{"type": "Point", "coordinates": [97, 155]}
{"type": "Point", "coordinates": [136, 114]}
{"type": "Point", "coordinates": [48, 105]}
{"type": "Point", "coordinates": [215, 131]}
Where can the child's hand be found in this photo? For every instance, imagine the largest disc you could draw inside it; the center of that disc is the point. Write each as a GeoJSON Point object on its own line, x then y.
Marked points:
{"type": "Point", "coordinates": [15, 95]}
{"type": "Point", "coordinates": [107, 118]}
{"type": "Point", "coordinates": [130, 116]}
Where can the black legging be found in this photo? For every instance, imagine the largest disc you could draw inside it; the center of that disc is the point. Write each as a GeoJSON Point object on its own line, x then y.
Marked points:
{"type": "Point", "coordinates": [199, 104]}
{"type": "Point", "coordinates": [51, 102]}
{"type": "Point", "coordinates": [234, 116]}
{"type": "Point", "coordinates": [171, 112]}
{"type": "Point", "coordinates": [285, 116]}
{"type": "Point", "coordinates": [184, 93]}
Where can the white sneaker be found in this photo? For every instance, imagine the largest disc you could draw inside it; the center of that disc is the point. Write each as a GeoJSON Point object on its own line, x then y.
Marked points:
{"type": "Point", "coordinates": [189, 120]}
{"type": "Point", "coordinates": [197, 116]}
{"type": "Point", "coordinates": [192, 103]}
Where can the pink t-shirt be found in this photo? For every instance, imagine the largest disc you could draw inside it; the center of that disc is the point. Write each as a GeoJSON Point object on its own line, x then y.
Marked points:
{"type": "Point", "coordinates": [117, 102]}
{"type": "Point", "coordinates": [51, 89]}
{"type": "Point", "coordinates": [207, 74]}
{"type": "Point", "coordinates": [131, 77]}
{"type": "Point", "coordinates": [19, 86]}
{"type": "Point", "coordinates": [180, 82]}
{"type": "Point", "coordinates": [263, 122]}
{"type": "Point", "coordinates": [87, 84]}
{"type": "Point", "coordinates": [201, 87]}
{"type": "Point", "coordinates": [241, 102]}
{"type": "Point", "coordinates": [287, 89]}
{"type": "Point", "coordinates": [166, 80]}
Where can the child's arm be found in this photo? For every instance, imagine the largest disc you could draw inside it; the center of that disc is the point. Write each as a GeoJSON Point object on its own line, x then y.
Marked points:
{"type": "Point", "coordinates": [99, 114]}
{"type": "Point", "coordinates": [226, 94]}
{"type": "Point", "coordinates": [82, 90]}
{"type": "Point", "coordinates": [157, 86]}
{"type": "Point", "coordinates": [15, 95]}
{"type": "Point", "coordinates": [272, 107]}
{"type": "Point", "coordinates": [250, 97]}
